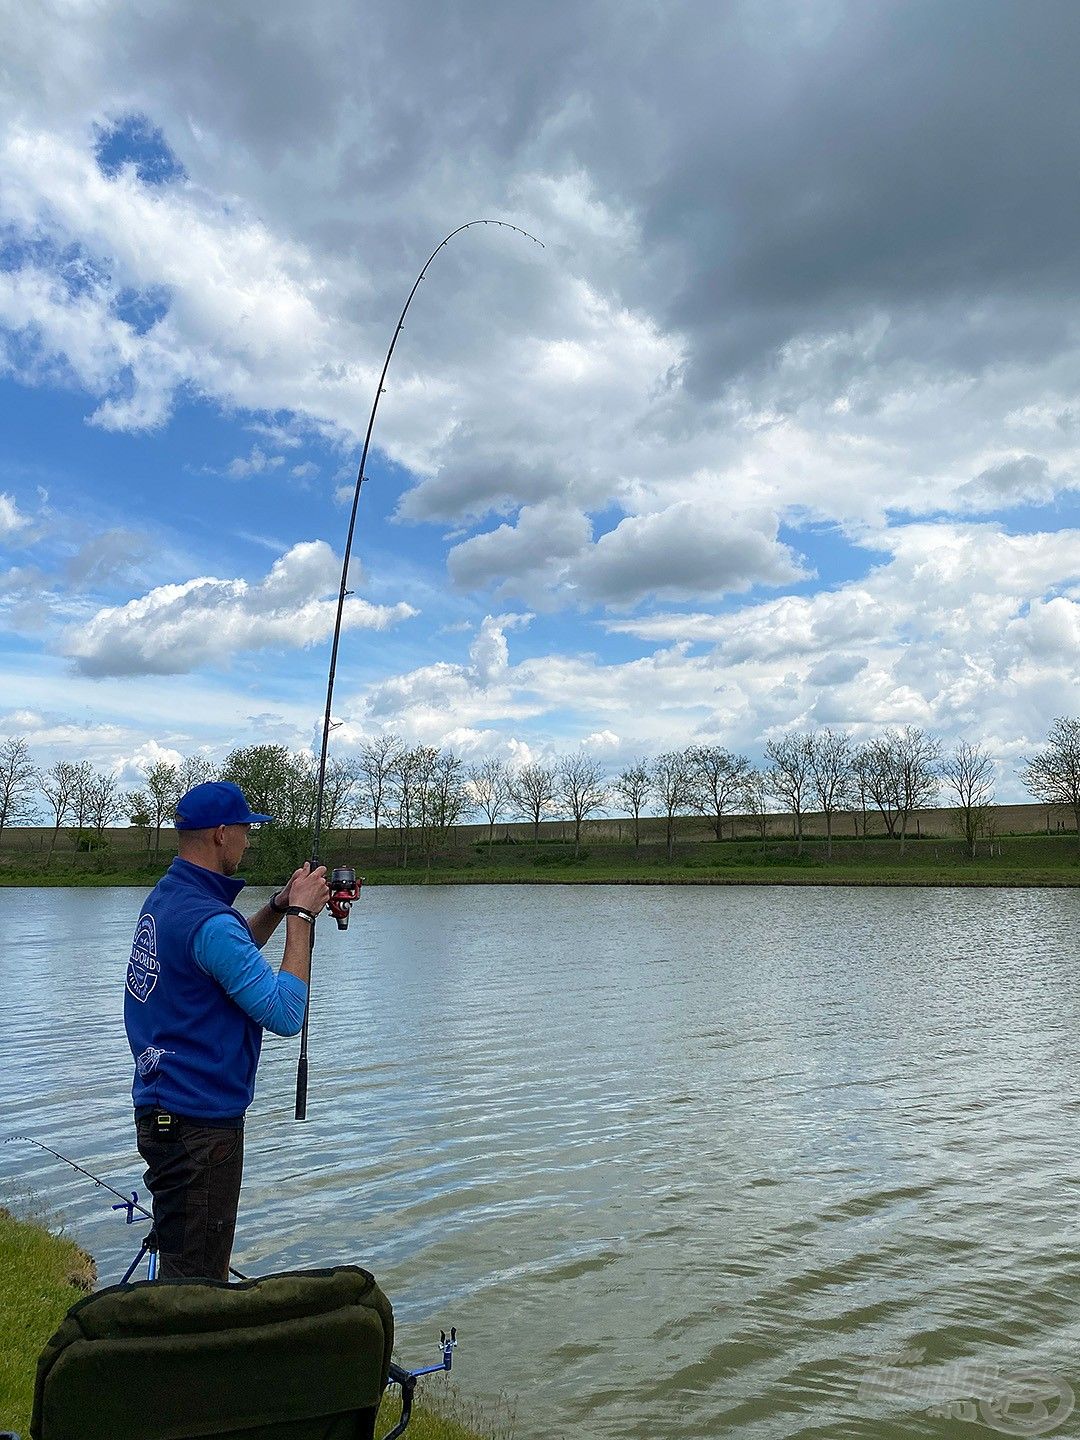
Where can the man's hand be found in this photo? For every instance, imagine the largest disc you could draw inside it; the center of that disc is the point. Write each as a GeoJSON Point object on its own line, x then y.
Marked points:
{"type": "Point", "coordinates": [304, 888]}
{"type": "Point", "coordinates": [308, 889]}
{"type": "Point", "coordinates": [282, 896]}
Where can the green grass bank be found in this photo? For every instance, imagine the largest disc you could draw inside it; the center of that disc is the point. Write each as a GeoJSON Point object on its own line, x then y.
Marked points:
{"type": "Point", "coordinates": [42, 1275]}
{"type": "Point", "coordinates": [1011, 860]}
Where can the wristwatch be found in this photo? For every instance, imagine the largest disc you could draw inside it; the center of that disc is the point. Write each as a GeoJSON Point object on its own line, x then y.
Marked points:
{"type": "Point", "coordinates": [275, 907]}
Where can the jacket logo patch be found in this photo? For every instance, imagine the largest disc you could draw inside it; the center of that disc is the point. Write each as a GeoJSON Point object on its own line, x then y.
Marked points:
{"type": "Point", "coordinates": [148, 1060]}
{"type": "Point", "coordinates": [143, 968]}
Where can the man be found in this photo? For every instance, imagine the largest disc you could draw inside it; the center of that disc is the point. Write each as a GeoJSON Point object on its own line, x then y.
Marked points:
{"type": "Point", "coordinates": [199, 995]}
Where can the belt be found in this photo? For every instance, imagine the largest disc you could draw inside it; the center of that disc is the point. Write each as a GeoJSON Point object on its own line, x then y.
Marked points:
{"type": "Point", "coordinates": [153, 1111]}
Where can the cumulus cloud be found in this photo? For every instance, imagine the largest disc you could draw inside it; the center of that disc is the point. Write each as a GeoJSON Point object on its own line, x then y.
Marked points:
{"type": "Point", "coordinates": [257, 463]}
{"type": "Point", "coordinates": [803, 262]}
{"type": "Point", "coordinates": [10, 518]}
{"type": "Point", "coordinates": [21, 578]}
{"type": "Point", "coordinates": [434, 701]}
{"type": "Point", "coordinates": [175, 629]}
{"type": "Point", "coordinates": [1050, 632]}
{"type": "Point", "coordinates": [686, 550]}
{"type": "Point", "coordinates": [1021, 479]}
{"type": "Point", "coordinates": [836, 669]}
{"type": "Point", "coordinates": [489, 652]}
{"type": "Point", "coordinates": [527, 557]}
{"type": "Point", "coordinates": [107, 557]}
{"type": "Point", "coordinates": [727, 285]}
{"type": "Point", "coordinates": [145, 757]}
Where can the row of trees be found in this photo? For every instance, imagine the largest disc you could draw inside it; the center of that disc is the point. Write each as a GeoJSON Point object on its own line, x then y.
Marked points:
{"type": "Point", "coordinates": [418, 793]}
{"type": "Point", "coordinates": [85, 799]}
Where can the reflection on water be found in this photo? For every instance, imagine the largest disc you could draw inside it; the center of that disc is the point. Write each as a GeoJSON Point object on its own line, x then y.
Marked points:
{"type": "Point", "coordinates": [675, 1161]}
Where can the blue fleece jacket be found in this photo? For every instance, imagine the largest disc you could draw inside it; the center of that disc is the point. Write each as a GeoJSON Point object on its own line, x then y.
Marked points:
{"type": "Point", "coordinates": [196, 1047]}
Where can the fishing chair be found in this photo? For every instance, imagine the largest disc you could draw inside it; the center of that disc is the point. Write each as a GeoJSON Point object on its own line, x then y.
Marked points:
{"type": "Point", "coordinates": [298, 1356]}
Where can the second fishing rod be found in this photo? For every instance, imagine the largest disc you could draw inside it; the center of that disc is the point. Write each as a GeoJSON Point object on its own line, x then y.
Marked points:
{"type": "Point", "coordinates": [344, 888]}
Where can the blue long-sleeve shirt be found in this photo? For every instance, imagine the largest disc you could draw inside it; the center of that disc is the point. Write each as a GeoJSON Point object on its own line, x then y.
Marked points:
{"type": "Point", "coordinates": [224, 949]}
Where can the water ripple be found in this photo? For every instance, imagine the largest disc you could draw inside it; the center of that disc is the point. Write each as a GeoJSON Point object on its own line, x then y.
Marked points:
{"type": "Point", "coordinates": [676, 1162]}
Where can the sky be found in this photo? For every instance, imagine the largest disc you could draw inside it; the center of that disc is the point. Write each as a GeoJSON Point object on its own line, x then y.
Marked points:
{"type": "Point", "coordinates": [779, 429]}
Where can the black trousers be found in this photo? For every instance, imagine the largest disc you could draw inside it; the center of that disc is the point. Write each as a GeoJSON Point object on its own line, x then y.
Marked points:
{"type": "Point", "coordinates": [193, 1172]}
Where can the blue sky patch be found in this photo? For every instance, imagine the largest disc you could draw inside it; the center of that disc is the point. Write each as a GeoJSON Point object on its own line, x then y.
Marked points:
{"type": "Point", "coordinates": [135, 140]}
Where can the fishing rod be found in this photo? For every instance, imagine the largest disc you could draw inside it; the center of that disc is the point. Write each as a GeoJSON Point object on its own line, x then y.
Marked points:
{"type": "Point", "coordinates": [130, 1203]}
{"type": "Point", "coordinates": [343, 886]}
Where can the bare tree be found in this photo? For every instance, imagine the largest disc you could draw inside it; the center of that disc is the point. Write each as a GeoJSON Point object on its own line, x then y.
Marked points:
{"type": "Point", "coordinates": [339, 789]}
{"type": "Point", "coordinates": [789, 776]}
{"type": "Point", "coordinates": [379, 760]}
{"type": "Point", "coordinates": [582, 789]}
{"type": "Point", "coordinates": [862, 769]}
{"type": "Point", "coordinates": [756, 796]}
{"type": "Point", "coordinates": [57, 784]}
{"type": "Point", "coordinates": [403, 794]}
{"type": "Point", "coordinates": [164, 787]}
{"type": "Point", "coordinates": [1053, 775]}
{"type": "Point", "coordinates": [631, 791]}
{"type": "Point", "coordinates": [194, 770]}
{"type": "Point", "coordinates": [491, 791]}
{"type": "Point", "coordinates": [831, 777]}
{"type": "Point", "coordinates": [880, 773]}
{"type": "Point", "coordinates": [18, 782]}
{"type": "Point", "coordinates": [902, 776]}
{"type": "Point", "coordinates": [920, 777]}
{"type": "Point", "coordinates": [717, 780]}
{"type": "Point", "coordinates": [427, 794]}
{"type": "Point", "coordinates": [969, 773]}
{"type": "Point", "coordinates": [81, 808]}
{"type": "Point", "coordinates": [672, 788]}
{"type": "Point", "coordinates": [534, 790]}
{"type": "Point", "coordinates": [446, 799]}
{"type": "Point", "coordinates": [106, 802]}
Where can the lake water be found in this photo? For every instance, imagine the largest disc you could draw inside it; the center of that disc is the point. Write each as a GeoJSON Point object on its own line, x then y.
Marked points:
{"type": "Point", "coordinates": [675, 1161]}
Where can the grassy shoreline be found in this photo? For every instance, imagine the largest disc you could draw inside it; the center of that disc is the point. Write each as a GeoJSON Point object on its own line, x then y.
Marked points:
{"type": "Point", "coordinates": [943, 880]}
{"type": "Point", "coordinates": [42, 1275]}
{"type": "Point", "coordinates": [1017, 861]}
{"type": "Point", "coordinates": [1020, 846]}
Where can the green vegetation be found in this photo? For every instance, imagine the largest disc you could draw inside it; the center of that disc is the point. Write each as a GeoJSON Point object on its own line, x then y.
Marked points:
{"type": "Point", "coordinates": [43, 1275]}
{"type": "Point", "coordinates": [1017, 859]}
{"type": "Point", "coordinates": [825, 810]}
{"type": "Point", "coordinates": [440, 1412]}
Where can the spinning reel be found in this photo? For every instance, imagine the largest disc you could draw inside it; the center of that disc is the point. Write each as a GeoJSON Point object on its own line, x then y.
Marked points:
{"type": "Point", "coordinates": [344, 890]}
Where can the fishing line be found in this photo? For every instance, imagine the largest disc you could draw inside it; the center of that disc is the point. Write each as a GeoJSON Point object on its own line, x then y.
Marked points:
{"type": "Point", "coordinates": [302, 1062]}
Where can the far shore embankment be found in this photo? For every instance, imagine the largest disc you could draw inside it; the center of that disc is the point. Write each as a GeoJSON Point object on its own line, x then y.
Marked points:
{"type": "Point", "coordinates": [1040, 852]}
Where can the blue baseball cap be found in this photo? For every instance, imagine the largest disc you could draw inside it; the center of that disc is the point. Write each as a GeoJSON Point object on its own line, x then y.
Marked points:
{"type": "Point", "coordinates": [217, 802]}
